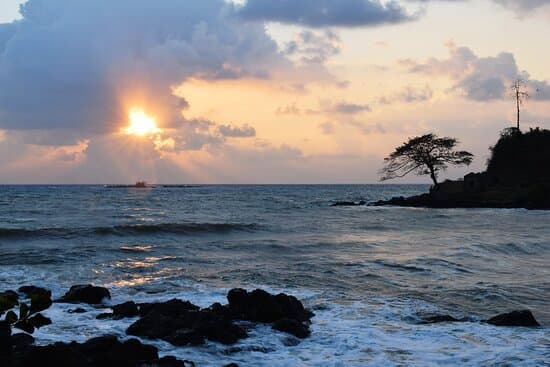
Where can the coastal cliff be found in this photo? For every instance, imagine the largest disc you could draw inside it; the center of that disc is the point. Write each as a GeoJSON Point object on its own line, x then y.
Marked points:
{"type": "Point", "coordinates": [517, 176]}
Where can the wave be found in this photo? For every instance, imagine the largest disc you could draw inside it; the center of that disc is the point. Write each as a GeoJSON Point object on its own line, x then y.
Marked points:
{"type": "Point", "coordinates": [127, 230]}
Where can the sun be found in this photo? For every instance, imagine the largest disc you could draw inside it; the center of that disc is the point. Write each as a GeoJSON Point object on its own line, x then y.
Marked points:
{"type": "Point", "coordinates": [141, 124]}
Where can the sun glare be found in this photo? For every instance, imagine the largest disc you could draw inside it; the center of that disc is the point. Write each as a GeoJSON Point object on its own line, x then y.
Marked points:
{"type": "Point", "coordinates": [141, 124]}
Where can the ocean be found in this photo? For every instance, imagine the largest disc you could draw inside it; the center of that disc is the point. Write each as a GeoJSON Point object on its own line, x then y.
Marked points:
{"type": "Point", "coordinates": [368, 273]}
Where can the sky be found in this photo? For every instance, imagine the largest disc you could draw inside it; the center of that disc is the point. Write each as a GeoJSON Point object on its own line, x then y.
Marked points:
{"type": "Point", "coordinates": [258, 91]}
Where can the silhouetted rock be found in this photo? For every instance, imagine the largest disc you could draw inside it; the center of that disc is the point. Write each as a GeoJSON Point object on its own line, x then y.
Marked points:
{"type": "Point", "coordinates": [437, 319]}
{"type": "Point", "coordinates": [5, 338]}
{"type": "Point", "coordinates": [8, 300]}
{"type": "Point", "coordinates": [127, 309]}
{"type": "Point", "coordinates": [515, 178]}
{"type": "Point", "coordinates": [515, 318]}
{"type": "Point", "coordinates": [98, 352]}
{"type": "Point", "coordinates": [231, 365]}
{"type": "Point", "coordinates": [21, 340]}
{"type": "Point", "coordinates": [85, 294]}
{"type": "Point", "coordinates": [182, 323]}
{"type": "Point", "coordinates": [34, 322]}
{"type": "Point", "coordinates": [290, 326]}
{"type": "Point", "coordinates": [263, 307]}
{"type": "Point", "coordinates": [171, 307]}
{"type": "Point", "coordinates": [31, 290]}
{"type": "Point", "coordinates": [349, 203]}
{"type": "Point", "coordinates": [77, 310]}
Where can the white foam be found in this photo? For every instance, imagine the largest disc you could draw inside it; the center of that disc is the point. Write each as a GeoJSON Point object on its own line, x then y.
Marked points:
{"type": "Point", "coordinates": [373, 332]}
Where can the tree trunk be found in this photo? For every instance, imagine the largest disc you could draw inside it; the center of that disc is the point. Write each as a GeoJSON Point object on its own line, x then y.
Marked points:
{"type": "Point", "coordinates": [434, 177]}
{"type": "Point", "coordinates": [518, 104]}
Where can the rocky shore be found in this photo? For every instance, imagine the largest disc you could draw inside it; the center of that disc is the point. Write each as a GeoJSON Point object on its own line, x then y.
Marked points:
{"type": "Point", "coordinates": [178, 322]}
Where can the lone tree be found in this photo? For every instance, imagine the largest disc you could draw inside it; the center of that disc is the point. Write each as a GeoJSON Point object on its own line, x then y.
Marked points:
{"type": "Point", "coordinates": [519, 90]}
{"type": "Point", "coordinates": [425, 155]}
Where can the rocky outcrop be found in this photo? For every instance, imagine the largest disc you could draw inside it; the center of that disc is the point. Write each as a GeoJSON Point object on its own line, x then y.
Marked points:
{"type": "Point", "coordinates": [182, 323]}
{"type": "Point", "coordinates": [97, 352]}
{"type": "Point", "coordinates": [349, 203]}
{"type": "Point", "coordinates": [515, 318]}
{"type": "Point", "coordinates": [85, 294]}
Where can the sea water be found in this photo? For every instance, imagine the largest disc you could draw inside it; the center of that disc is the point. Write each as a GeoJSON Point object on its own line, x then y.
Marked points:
{"type": "Point", "coordinates": [368, 273]}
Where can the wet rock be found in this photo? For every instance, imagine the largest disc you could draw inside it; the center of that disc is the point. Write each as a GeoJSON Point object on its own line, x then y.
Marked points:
{"type": "Point", "coordinates": [85, 294]}
{"type": "Point", "coordinates": [104, 316]}
{"type": "Point", "coordinates": [261, 306]}
{"type": "Point", "coordinates": [77, 310]}
{"type": "Point", "coordinates": [515, 318]}
{"type": "Point", "coordinates": [293, 327]}
{"type": "Point", "coordinates": [97, 352]}
{"type": "Point", "coordinates": [349, 203]}
{"type": "Point", "coordinates": [124, 310]}
{"type": "Point", "coordinates": [231, 365]}
{"type": "Point", "coordinates": [182, 323]}
{"type": "Point", "coordinates": [8, 300]}
{"type": "Point", "coordinates": [5, 338]}
{"type": "Point", "coordinates": [172, 307]}
{"type": "Point", "coordinates": [31, 290]}
{"type": "Point", "coordinates": [438, 319]}
{"type": "Point", "coordinates": [21, 340]}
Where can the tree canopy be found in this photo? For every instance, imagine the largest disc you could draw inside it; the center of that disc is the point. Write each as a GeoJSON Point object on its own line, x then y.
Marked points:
{"type": "Point", "coordinates": [424, 155]}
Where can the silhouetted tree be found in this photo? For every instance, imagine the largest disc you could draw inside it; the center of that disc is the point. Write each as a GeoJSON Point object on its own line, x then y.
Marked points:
{"type": "Point", "coordinates": [425, 155]}
{"type": "Point", "coordinates": [519, 90]}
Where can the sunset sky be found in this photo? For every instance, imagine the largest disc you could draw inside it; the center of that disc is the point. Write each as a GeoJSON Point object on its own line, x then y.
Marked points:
{"type": "Point", "coordinates": [264, 91]}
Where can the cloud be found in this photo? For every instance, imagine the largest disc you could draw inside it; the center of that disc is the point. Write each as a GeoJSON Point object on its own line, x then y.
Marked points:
{"type": "Point", "coordinates": [479, 78]}
{"type": "Point", "coordinates": [326, 13]}
{"type": "Point", "coordinates": [409, 95]}
{"type": "Point", "coordinates": [314, 47]}
{"type": "Point", "coordinates": [518, 5]}
{"type": "Point", "coordinates": [349, 108]}
{"type": "Point", "coordinates": [78, 63]}
{"type": "Point", "coordinates": [245, 131]}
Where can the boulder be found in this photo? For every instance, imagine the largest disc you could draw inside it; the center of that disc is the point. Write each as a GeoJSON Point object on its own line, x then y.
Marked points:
{"type": "Point", "coordinates": [515, 318]}
{"type": "Point", "coordinates": [293, 327]}
{"type": "Point", "coordinates": [97, 352]}
{"type": "Point", "coordinates": [85, 294]}
{"type": "Point", "coordinates": [5, 338]}
{"type": "Point", "coordinates": [21, 340]}
{"type": "Point", "coordinates": [182, 323]}
{"type": "Point", "coordinates": [127, 309]}
{"type": "Point", "coordinates": [31, 290]}
{"type": "Point", "coordinates": [261, 306]}
{"type": "Point", "coordinates": [8, 300]}
{"type": "Point", "coordinates": [172, 307]}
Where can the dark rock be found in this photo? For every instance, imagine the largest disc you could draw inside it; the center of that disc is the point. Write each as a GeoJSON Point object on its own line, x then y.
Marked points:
{"type": "Point", "coordinates": [172, 307]}
{"type": "Point", "coordinates": [231, 365]}
{"type": "Point", "coordinates": [31, 290]}
{"type": "Point", "coordinates": [22, 340]}
{"type": "Point", "coordinates": [127, 309]}
{"type": "Point", "coordinates": [437, 319]}
{"type": "Point", "coordinates": [293, 327]}
{"type": "Point", "coordinates": [349, 203]}
{"type": "Point", "coordinates": [34, 322]}
{"type": "Point", "coordinates": [8, 300]}
{"type": "Point", "coordinates": [181, 323]}
{"type": "Point", "coordinates": [77, 310]}
{"type": "Point", "coordinates": [85, 294]}
{"type": "Point", "coordinates": [515, 318]}
{"type": "Point", "coordinates": [103, 351]}
{"type": "Point", "coordinates": [5, 338]}
{"type": "Point", "coordinates": [263, 307]}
